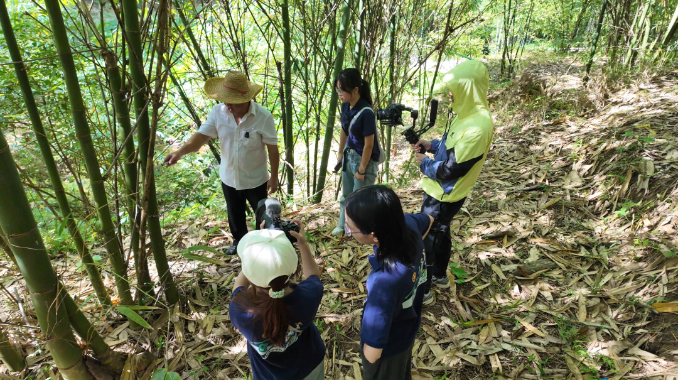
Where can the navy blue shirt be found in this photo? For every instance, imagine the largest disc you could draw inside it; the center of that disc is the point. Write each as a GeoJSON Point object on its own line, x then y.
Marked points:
{"type": "Point", "coordinates": [392, 313]}
{"type": "Point", "coordinates": [365, 125]}
{"type": "Point", "coordinates": [303, 349]}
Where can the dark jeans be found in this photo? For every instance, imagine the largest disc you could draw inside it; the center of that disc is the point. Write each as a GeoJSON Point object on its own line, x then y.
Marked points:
{"type": "Point", "coordinates": [438, 242]}
{"type": "Point", "coordinates": [237, 207]}
{"type": "Point", "coordinates": [396, 367]}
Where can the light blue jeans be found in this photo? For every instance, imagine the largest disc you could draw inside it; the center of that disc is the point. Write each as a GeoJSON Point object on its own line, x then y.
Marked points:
{"type": "Point", "coordinates": [351, 164]}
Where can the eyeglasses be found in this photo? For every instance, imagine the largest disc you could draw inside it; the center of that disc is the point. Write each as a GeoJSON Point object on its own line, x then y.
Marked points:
{"type": "Point", "coordinates": [349, 233]}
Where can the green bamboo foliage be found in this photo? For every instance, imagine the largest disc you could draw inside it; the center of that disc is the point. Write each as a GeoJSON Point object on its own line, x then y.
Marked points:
{"type": "Point", "coordinates": [9, 355]}
{"type": "Point", "coordinates": [287, 79]}
{"type": "Point", "coordinates": [331, 113]}
{"type": "Point", "coordinates": [141, 102]}
{"type": "Point", "coordinates": [46, 151]}
{"type": "Point", "coordinates": [82, 130]}
{"type": "Point", "coordinates": [41, 280]}
{"type": "Point", "coordinates": [205, 67]}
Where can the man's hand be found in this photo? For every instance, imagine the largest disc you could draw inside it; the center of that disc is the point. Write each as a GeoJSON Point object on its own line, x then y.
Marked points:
{"type": "Point", "coordinates": [272, 184]}
{"type": "Point", "coordinates": [172, 158]}
{"type": "Point", "coordinates": [419, 157]}
{"type": "Point", "coordinates": [359, 177]}
{"type": "Point", "coordinates": [422, 143]}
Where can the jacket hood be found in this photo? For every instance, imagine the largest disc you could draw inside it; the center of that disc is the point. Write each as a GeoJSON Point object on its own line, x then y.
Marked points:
{"type": "Point", "coordinates": [469, 83]}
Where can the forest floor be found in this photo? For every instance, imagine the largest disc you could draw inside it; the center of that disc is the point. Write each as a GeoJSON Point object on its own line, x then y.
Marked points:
{"type": "Point", "coordinates": [566, 253]}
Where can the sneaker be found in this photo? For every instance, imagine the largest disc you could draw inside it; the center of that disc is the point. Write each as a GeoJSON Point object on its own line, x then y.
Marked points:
{"type": "Point", "coordinates": [232, 250]}
{"type": "Point", "coordinates": [428, 298]}
{"type": "Point", "coordinates": [441, 282]}
{"type": "Point", "coordinates": [337, 231]}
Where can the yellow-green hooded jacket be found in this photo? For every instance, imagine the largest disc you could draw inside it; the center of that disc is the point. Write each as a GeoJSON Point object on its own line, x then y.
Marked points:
{"type": "Point", "coordinates": [453, 171]}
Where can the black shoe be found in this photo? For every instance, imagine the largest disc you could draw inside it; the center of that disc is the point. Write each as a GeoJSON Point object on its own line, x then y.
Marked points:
{"type": "Point", "coordinates": [233, 250]}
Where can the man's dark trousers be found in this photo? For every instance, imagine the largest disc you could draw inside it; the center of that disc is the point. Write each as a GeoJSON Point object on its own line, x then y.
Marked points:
{"type": "Point", "coordinates": [438, 242]}
{"type": "Point", "coordinates": [237, 207]}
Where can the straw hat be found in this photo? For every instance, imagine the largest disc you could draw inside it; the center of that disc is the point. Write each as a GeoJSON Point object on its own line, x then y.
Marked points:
{"type": "Point", "coordinates": [233, 88]}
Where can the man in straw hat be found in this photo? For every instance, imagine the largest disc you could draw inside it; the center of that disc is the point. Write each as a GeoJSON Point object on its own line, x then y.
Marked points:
{"type": "Point", "coordinates": [245, 131]}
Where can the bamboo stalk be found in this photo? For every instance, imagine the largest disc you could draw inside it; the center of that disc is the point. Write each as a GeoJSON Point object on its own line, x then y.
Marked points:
{"type": "Point", "coordinates": [33, 262]}
{"type": "Point", "coordinates": [332, 109]}
{"type": "Point", "coordinates": [48, 157]}
{"type": "Point", "coordinates": [82, 130]}
{"type": "Point", "coordinates": [601, 17]}
{"type": "Point", "coordinates": [9, 355]}
{"type": "Point", "coordinates": [146, 144]}
{"type": "Point", "coordinates": [287, 80]}
{"type": "Point", "coordinates": [5, 246]}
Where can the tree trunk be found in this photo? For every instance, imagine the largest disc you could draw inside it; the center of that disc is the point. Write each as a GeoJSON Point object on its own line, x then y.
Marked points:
{"type": "Point", "coordinates": [141, 100]}
{"type": "Point", "coordinates": [9, 355]}
{"type": "Point", "coordinates": [287, 79]}
{"type": "Point", "coordinates": [41, 280]}
{"type": "Point", "coordinates": [82, 130]}
{"type": "Point", "coordinates": [332, 109]}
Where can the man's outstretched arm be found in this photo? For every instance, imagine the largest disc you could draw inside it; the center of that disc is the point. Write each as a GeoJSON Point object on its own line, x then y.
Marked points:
{"type": "Point", "coordinates": [192, 145]}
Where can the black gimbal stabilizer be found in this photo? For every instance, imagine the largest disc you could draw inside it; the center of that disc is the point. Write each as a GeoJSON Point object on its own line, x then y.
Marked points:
{"type": "Point", "coordinates": [413, 136]}
{"type": "Point", "coordinates": [393, 115]}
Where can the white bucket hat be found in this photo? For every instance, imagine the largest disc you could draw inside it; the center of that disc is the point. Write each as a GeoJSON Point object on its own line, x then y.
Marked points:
{"type": "Point", "coordinates": [232, 88]}
{"type": "Point", "coordinates": [266, 255]}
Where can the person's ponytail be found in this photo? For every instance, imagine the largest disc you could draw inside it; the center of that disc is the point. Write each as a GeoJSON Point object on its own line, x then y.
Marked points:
{"type": "Point", "coordinates": [349, 79]}
{"type": "Point", "coordinates": [271, 311]}
{"type": "Point", "coordinates": [365, 91]}
{"type": "Point", "coordinates": [274, 313]}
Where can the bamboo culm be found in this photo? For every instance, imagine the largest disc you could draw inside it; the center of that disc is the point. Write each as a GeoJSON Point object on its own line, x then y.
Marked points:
{"type": "Point", "coordinates": [48, 157]}
{"type": "Point", "coordinates": [331, 113]}
{"type": "Point", "coordinates": [80, 123]}
{"type": "Point", "coordinates": [26, 242]}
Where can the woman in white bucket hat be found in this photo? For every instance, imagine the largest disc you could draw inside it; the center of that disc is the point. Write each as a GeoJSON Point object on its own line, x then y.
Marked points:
{"type": "Point", "coordinates": [246, 132]}
{"type": "Point", "coordinates": [275, 315]}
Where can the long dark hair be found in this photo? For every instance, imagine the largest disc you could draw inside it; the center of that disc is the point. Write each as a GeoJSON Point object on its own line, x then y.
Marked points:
{"type": "Point", "coordinates": [271, 311]}
{"type": "Point", "coordinates": [349, 79]}
{"type": "Point", "coordinates": [377, 209]}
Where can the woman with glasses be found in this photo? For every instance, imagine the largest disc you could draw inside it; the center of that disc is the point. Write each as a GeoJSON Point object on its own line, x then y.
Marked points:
{"type": "Point", "coordinates": [392, 312]}
{"type": "Point", "coordinates": [358, 146]}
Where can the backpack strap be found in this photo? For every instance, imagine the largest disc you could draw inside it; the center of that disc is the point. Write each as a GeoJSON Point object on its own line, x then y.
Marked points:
{"type": "Point", "coordinates": [356, 117]}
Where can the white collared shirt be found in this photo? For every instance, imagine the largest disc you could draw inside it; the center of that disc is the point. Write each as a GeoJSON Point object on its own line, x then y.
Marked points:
{"type": "Point", "coordinates": [243, 146]}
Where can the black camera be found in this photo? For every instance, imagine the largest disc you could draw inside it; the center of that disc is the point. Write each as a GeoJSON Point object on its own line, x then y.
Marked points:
{"type": "Point", "coordinates": [268, 211]}
{"type": "Point", "coordinates": [393, 114]}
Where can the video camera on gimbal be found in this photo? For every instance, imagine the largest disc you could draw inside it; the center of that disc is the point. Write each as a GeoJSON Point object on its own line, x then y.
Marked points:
{"type": "Point", "coordinates": [268, 211]}
{"type": "Point", "coordinates": [393, 115]}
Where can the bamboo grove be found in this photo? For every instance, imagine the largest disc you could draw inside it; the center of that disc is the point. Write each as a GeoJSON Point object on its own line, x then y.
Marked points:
{"type": "Point", "coordinates": [104, 87]}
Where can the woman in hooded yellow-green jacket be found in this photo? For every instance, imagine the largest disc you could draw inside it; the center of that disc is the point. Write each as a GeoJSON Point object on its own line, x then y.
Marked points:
{"type": "Point", "coordinates": [458, 157]}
